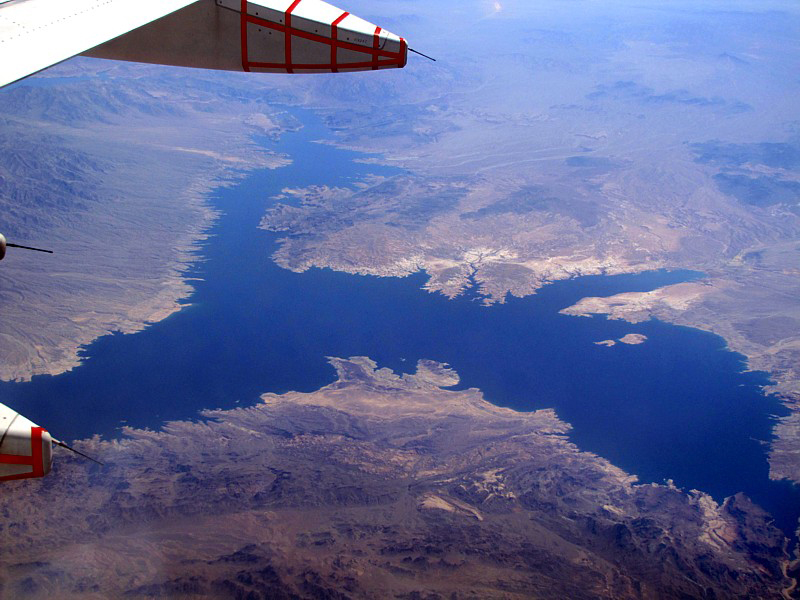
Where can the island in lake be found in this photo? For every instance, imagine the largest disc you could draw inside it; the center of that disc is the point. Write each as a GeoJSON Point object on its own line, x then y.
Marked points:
{"type": "Point", "coordinates": [631, 339]}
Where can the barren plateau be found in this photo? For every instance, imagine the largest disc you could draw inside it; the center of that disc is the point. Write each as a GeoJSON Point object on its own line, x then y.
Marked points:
{"type": "Point", "coordinates": [375, 485]}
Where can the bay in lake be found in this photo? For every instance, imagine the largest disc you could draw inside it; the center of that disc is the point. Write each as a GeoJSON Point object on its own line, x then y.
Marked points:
{"type": "Point", "coordinates": [676, 407]}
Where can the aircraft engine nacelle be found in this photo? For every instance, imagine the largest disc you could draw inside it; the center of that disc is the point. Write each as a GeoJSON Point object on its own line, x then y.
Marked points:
{"type": "Point", "coordinates": [26, 450]}
{"type": "Point", "coordinates": [2, 246]}
{"type": "Point", "coordinates": [275, 36]}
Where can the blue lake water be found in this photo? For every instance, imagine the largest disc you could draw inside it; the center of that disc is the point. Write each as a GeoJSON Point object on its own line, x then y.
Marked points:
{"type": "Point", "coordinates": [676, 407]}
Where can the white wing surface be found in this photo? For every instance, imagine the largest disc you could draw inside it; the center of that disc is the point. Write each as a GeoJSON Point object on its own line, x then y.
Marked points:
{"type": "Point", "coordinates": [35, 34]}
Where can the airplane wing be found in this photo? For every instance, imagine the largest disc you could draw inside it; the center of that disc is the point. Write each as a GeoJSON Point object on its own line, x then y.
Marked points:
{"type": "Point", "coordinates": [35, 34]}
{"type": "Point", "coordinates": [283, 36]}
{"type": "Point", "coordinates": [26, 450]}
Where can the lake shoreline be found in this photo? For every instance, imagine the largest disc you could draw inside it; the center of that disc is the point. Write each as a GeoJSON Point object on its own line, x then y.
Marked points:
{"type": "Point", "coordinates": [287, 323]}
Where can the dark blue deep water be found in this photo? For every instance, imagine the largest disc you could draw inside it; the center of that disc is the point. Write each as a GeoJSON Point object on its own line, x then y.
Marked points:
{"type": "Point", "coordinates": [676, 407]}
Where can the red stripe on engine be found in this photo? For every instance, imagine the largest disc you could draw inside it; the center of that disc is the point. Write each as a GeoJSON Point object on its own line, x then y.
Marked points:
{"type": "Point", "coordinates": [376, 44]}
{"type": "Point", "coordinates": [34, 460]}
{"type": "Point", "coordinates": [287, 36]}
{"type": "Point", "coordinates": [367, 64]}
{"type": "Point", "coordinates": [334, 38]}
{"type": "Point", "coordinates": [403, 53]}
{"type": "Point", "coordinates": [15, 459]}
{"type": "Point", "coordinates": [243, 13]}
{"type": "Point", "coordinates": [36, 451]}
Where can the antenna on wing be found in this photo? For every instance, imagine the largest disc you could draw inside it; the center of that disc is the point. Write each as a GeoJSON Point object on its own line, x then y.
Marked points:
{"type": "Point", "coordinates": [79, 453]}
{"type": "Point", "coordinates": [421, 54]}
{"type": "Point", "coordinates": [4, 244]}
{"type": "Point", "coordinates": [28, 248]}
